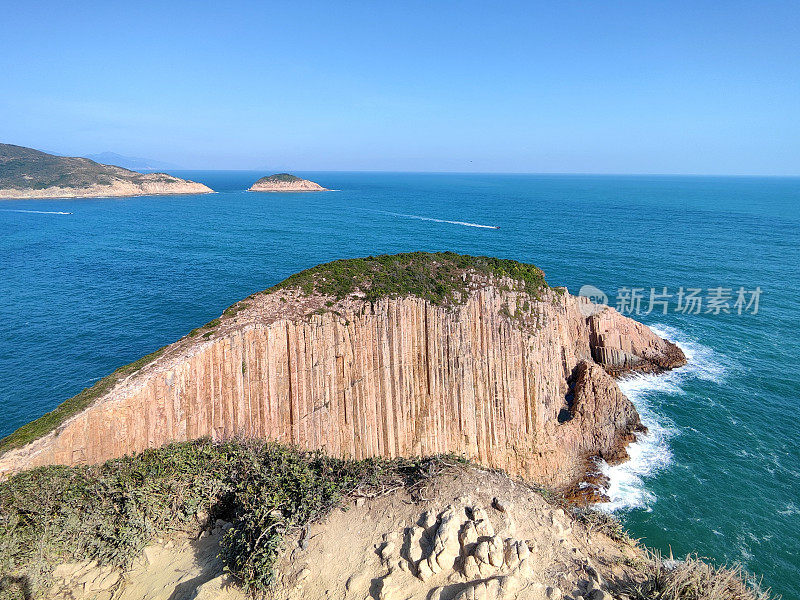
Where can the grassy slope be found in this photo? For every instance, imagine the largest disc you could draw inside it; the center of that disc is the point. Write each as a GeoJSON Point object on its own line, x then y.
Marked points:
{"type": "Point", "coordinates": [25, 168]}
{"type": "Point", "coordinates": [439, 278]}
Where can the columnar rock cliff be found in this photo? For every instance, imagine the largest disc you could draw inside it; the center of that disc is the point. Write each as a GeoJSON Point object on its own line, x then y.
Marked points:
{"type": "Point", "coordinates": [511, 378]}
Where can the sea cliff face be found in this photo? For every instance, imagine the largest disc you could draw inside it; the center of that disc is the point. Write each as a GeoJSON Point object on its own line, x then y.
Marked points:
{"type": "Point", "coordinates": [510, 379]}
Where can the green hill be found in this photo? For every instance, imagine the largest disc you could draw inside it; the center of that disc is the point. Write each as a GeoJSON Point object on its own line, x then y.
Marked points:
{"type": "Point", "coordinates": [25, 172]}
{"type": "Point", "coordinates": [285, 182]}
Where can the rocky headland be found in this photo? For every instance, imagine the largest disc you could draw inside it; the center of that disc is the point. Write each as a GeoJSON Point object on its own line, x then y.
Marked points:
{"type": "Point", "coordinates": [284, 182]}
{"type": "Point", "coordinates": [28, 173]}
{"type": "Point", "coordinates": [408, 355]}
{"type": "Point", "coordinates": [266, 453]}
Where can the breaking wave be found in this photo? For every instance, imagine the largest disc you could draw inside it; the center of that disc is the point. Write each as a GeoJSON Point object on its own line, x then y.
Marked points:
{"type": "Point", "coordinates": [651, 453]}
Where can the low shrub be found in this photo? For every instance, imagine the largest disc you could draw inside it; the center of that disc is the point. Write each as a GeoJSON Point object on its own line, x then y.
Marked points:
{"type": "Point", "coordinates": [106, 513]}
{"type": "Point", "coordinates": [110, 512]}
{"type": "Point", "coordinates": [438, 277]}
{"type": "Point", "coordinates": [689, 579]}
{"type": "Point", "coordinates": [603, 522]}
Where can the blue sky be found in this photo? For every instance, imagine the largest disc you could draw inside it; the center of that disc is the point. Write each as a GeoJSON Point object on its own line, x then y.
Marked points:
{"type": "Point", "coordinates": [588, 87]}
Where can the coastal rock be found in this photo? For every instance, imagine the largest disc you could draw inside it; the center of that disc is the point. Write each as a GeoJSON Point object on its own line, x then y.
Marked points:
{"type": "Point", "coordinates": [621, 344]}
{"type": "Point", "coordinates": [506, 378]}
{"type": "Point", "coordinates": [284, 182]}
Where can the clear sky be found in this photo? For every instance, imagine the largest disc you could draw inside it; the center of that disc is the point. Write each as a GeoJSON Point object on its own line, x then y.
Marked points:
{"type": "Point", "coordinates": [589, 86]}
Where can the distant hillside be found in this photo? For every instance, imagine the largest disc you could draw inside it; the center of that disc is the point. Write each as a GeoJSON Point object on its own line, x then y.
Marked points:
{"type": "Point", "coordinates": [130, 162]}
{"type": "Point", "coordinates": [284, 182]}
{"type": "Point", "coordinates": [28, 173]}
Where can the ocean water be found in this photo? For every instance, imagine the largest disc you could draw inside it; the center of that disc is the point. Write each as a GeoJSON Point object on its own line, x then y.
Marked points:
{"type": "Point", "coordinates": [89, 285]}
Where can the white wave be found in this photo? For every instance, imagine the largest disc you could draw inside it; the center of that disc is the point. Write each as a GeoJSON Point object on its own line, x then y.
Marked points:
{"type": "Point", "coordinates": [38, 212]}
{"type": "Point", "coordinates": [702, 362]}
{"type": "Point", "coordinates": [464, 223]}
{"type": "Point", "coordinates": [650, 453]}
{"type": "Point", "coordinates": [744, 548]}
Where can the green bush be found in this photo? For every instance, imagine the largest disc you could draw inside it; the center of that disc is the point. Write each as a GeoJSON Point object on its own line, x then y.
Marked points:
{"type": "Point", "coordinates": [106, 513]}
{"type": "Point", "coordinates": [277, 488]}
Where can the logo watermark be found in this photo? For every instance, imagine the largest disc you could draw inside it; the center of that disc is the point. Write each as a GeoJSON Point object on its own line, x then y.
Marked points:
{"type": "Point", "coordinates": [597, 300]}
{"type": "Point", "coordinates": [684, 300]}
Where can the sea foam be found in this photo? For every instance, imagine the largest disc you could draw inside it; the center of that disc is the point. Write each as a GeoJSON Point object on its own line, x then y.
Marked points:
{"type": "Point", "coordinates": [650, 453]}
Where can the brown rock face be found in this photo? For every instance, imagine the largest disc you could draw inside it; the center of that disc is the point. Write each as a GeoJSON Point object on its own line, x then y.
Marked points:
{"type": "Point", "coordinates": [621, 344]}
{"type": "Point", "coordinates": [506, 379]}
{"type": "Point", "coordinates": [145, 185]}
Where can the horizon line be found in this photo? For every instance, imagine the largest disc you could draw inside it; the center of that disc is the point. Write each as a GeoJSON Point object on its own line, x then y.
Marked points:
{"type": "Point", "coordinates": [572, 173]}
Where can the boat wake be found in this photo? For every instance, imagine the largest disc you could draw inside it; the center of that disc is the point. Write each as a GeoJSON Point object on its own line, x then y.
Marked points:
{"type": "Point", "coordinates": [464, 223]}
{"type": "Point", "coordinates": [38, 212]}
{"type": "Point", "coordinates": [650, 453]}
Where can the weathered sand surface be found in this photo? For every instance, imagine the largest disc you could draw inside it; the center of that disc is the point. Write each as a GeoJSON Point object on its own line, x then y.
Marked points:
{"type": "Point", "coordinates": [466, 535]}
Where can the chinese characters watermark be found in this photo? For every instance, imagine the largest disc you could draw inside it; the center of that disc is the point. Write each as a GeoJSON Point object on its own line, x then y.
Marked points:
{"type": "Point", "coordinates": [684, 300]}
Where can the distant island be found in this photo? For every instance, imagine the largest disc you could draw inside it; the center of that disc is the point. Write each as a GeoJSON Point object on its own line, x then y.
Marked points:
{"type": "Point", "coordinates": [130, 162]}
{"type": "Point", "coordinates": [284, 182]}
{"type": "Point", "coordinates": [29, 173]}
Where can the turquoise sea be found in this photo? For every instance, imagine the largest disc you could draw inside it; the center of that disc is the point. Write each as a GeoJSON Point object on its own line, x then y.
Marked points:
{"type": "Point", "coordinates": [89, 285]}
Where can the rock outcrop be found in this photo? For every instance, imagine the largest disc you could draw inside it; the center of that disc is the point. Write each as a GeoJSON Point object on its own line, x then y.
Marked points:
{"type": "Point", "coordinates": [622, 345]}
{"type": "Point", "coordinates": [454, 545]}
{"type": "Point", "coordinates": [284, 182]}
{"type": "Point", "coordinates": [28, 173]}
{"type": "Point", "coordinates": [511, 378]}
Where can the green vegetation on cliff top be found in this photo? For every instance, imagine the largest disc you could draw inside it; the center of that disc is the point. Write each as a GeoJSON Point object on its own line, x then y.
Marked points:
{"type": "Point", "coordinates": [27, 169]}
{"type": "Point", "coordinates": [442, 278]}
{"type": "Point", "coordinates": [438, 277]}
{"type": "Point", "coordinates": [279, 178]}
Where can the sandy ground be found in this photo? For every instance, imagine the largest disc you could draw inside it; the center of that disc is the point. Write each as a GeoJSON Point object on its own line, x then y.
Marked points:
{"type": "Point", "coordinates": [466, 535]}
